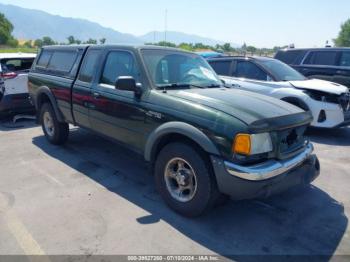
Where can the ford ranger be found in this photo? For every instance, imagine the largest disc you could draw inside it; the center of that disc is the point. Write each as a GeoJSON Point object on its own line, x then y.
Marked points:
{"type": "Point", "coordinates": [202, 141]}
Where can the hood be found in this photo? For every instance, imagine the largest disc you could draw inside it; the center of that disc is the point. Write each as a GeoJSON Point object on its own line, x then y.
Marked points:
{"type": "Point", "coordinates": [320, 85]}
{"type": "Point", "coordinates": [246, 106]}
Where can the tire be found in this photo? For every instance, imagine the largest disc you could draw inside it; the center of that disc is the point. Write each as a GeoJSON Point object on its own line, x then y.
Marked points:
{"type": "Point", "coordinates": [205, 195]}
{"type": "Point", "coordinates": [55, 132]}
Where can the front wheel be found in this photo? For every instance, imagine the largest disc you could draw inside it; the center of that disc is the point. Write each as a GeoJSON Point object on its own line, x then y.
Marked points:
{"type": "Point", "coordinates": [55, 132]}
{"type": "Point", "coordinates": [184, 179]}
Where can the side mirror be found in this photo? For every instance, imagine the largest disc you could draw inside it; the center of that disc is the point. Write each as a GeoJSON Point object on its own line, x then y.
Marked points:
{"type": "Point", "coordinates": [128, 83]}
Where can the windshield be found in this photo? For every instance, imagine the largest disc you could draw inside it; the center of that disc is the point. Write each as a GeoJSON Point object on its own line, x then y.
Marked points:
{"type": "Point", "coordinates": [281, 71]}
{"type": "Point", "coordinates": [179, 70]}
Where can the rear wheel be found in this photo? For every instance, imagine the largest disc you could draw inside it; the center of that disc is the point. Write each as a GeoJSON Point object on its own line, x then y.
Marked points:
{"type": "Point", "coordinates": [184, 179]}
{"type": "Point", "coordinates": [55, 132]}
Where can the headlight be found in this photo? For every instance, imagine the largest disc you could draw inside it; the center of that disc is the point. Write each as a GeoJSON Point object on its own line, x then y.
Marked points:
{"type": "Point", "coordinates": [322, 96]}
{"type": "Point", "coordinates": [252, 144]}
{"type": "Point", "coordinates": [315, 95]}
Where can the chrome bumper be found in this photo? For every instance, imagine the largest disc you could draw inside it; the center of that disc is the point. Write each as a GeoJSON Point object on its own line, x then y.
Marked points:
{"type": "Point", "coordinates": [269, 168]}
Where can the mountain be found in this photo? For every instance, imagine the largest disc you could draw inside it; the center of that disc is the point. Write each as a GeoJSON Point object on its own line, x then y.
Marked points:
{"type": "Point", "coordinates": [178, 38]}
{"type": "Point", "coordinates": [34, 24]}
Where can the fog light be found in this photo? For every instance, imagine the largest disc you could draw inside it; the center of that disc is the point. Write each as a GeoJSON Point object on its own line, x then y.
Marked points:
{"type": "Point", "coordinates": [322, 117]}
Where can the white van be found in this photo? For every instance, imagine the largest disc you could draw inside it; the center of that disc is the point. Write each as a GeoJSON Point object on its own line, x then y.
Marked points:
{"type": "Point", "coordinates": [14, 68]}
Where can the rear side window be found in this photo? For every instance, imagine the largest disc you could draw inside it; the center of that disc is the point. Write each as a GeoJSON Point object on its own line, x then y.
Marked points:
{"type": "Point", "coordinates": [118, 64]}
{"type": "Point", "coordinates": [249, 70]}
{"type": "Point", "coordinates": [321, 58]}
{"type": "Point", "coordinates": [16, 64]}
{"type": "Point", "coordinates": [345, 59]}
{"type": "Point", "coordinates": [89, 66]}
{"type": "Point", "coordinates": [44, 58]}
{"type": "Point", "coordinates": [221, 67]}
{"type": "Point", "coordinates": [62, 61]}
{"type": "Point", "coordinates": [293, 57]}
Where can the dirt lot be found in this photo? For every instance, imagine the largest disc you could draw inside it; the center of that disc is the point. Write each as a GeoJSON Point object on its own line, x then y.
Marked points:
{"type": "Point", "coordinates": [95, 197]}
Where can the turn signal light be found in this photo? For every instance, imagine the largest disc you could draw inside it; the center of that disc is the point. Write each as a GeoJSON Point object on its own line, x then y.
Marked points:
{"type": "Point", "coordinates": [242, 144]}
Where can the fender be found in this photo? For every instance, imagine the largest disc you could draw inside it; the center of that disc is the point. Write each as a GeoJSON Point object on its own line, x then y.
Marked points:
{"type": "Point", "coordinates": [181, 128]}
{"type": "Point", "coordinates": [45, 90]}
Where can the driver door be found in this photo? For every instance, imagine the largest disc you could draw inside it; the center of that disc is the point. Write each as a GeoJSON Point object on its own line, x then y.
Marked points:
{"type": "Point", "coordinates": [118, 113]}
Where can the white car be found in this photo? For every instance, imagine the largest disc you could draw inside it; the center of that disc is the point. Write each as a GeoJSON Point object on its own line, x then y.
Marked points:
{"type": "Point", "coordinates": [14, 68]}
{"type": "Point", "coordinates": [327, 101]}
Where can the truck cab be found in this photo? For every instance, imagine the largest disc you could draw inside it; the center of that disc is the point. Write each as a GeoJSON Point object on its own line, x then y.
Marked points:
{"type": "Point", "coordinates": [203, 141]}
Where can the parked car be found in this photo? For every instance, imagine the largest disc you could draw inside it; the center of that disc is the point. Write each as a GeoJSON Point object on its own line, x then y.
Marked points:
{"type": "Point", "coordinates": [202, 141]}
{"type": "Point", "coordinates": [332, 64]}
{"type": "Point", "coordinates": [2, 87]}
{"type": "Point", "coordinates": [327, 101]}
{"type": "Point", "coordinates": [14, 96]}
{"type": "Point", "coordinates": [210, 54]}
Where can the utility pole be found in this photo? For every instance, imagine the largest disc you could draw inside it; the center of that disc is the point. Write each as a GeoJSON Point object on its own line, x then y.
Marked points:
{"type": "Point", "coordinates": [165, 24]}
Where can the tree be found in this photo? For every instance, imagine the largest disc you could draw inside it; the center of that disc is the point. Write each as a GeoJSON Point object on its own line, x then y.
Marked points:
{"type": "Point", "coordinates": [251, 49]}
{"type": "Point", "coordinates": [91, 41]}
{"type": "Point", "coordinates": [186, 46]}
{"type": "Point", "coordinates": [13, 42]}
{"type": "Point", "coordinates": [102, 41]}
{"type": "Point", "coordinates": [71, 40]}
{"type": "Point", "coordinates": [28, 44]}
{"type": "Point", "coordinates": [164, 43]}
{"type": "Point", "coordinates": [6, 29]}
{"type": "Point", "coordinates": [38, 43]}
{"type": "Point", "coordinates": [343, 38]}
{"type": "Point", "coordinates": [201, 46]}
{"type": "Point", "coordinates": [48, 41]}
{"type": "Point", "coordinates": [227, 47]}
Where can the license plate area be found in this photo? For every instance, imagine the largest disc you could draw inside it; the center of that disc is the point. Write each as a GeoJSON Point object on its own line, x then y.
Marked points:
{"type": "Point", "coordinates": [291, 141]}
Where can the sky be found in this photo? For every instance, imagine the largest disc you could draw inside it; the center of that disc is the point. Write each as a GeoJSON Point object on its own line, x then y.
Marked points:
{"type": "Point", "coordinates": [262, 23]}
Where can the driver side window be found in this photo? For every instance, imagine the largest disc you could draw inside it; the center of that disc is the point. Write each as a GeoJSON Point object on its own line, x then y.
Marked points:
{"type": "Point", "coordinates": [118, 63]}
{"type": "Point", "coordinates": [246, 69]}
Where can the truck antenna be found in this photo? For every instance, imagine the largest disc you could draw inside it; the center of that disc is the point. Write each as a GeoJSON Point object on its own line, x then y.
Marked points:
{"type": "Point", "coordinates": [165, 24]}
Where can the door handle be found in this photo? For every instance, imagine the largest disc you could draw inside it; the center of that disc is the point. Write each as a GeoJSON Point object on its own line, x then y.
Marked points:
{"type": "Point", "coordinates": [96, 95]}
{"type": "Point", "coordinates": [89, 105]}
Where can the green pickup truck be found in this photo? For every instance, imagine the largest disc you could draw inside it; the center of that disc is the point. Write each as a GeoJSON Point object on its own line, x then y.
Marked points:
{"type": "Point", "coordinates": [203, 141]}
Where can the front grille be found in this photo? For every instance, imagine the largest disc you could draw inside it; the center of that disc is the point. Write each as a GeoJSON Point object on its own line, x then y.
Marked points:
{"type": "Point", "coordinates": [291, 140]}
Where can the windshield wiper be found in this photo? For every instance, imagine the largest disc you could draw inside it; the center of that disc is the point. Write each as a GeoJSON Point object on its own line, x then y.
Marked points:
{"type": "Point", "coordinates": [175, 86]}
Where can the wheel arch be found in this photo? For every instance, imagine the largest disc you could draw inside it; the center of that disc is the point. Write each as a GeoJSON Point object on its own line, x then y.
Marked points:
{"type": "Point", "coordinates": [44, 95]}
{"type": "Point", "coordinates": [174, 131]}
{"type": "Point", "coordinates": [297, 102]}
